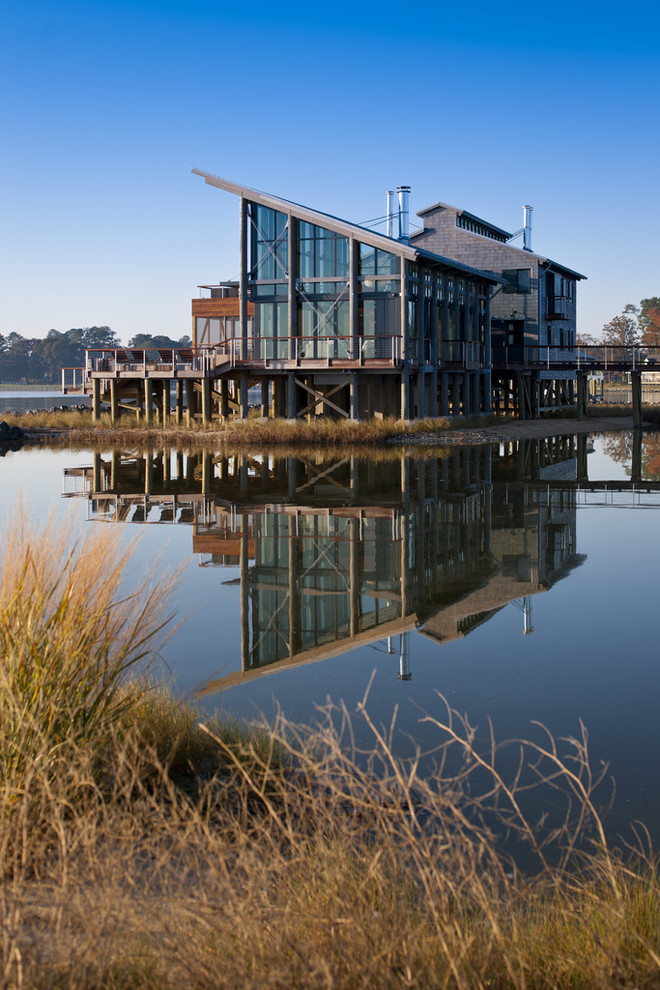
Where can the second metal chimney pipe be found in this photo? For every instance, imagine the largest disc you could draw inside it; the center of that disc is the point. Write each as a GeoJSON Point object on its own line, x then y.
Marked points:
{"type": "Point", "coordinates": [390, 213]}
{"type": "Point", "coordinates": [404, 200]}
{"type": "Point", "coordinates": [527, 229]}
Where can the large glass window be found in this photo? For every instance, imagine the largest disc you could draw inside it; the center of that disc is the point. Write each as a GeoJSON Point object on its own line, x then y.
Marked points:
{"type": "Point", "coordinates": [321, 253]}
{"type": "Point", "coordinates": [272, 326]}
{"type": "Point", "coordinates": [269, 242]}
{"type": "Point", "coordinates": [324, 326]}
{"type": "Point", "coordinates": [373, 261]}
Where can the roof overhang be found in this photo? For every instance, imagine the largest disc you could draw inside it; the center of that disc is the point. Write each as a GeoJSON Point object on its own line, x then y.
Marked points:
{"type": "Point", "coordinates": [342, 227]}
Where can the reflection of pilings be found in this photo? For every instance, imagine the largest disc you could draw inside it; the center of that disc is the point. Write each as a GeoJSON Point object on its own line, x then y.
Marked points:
{"type": "Point", "coordinates": [636, 467]}
{"type": "Point", "coordinates": [96, 473]}
{"type": "Point", "coordinates": [245, 613]}
{"type": "Point", "coordinates": [636, 384]}
{"type": "Point", "coordinates": [114, 469]}
{"type": "Point", "coordinates": [243, 477]}
{"type": "Point", "coordinates": [528, 628]}
{"type": "Point", "coordinates": [405, 674]}
{"type": "Point", "coordinates": [206, 472]}
{"type": "Point", "coordinates": [148, 473]}
{"type": "Point", "coordinates": [294, 590]}
{"type": "Point", "coordinates": [354, 576]}
{"type": "Point", "coordinates": [292, 465]}
{"type": "Point", "coordinates": [582, 465]}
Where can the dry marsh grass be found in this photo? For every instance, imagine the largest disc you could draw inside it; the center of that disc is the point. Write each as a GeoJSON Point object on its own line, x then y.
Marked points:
{"type": "Point", "coordinates": [143, 847]}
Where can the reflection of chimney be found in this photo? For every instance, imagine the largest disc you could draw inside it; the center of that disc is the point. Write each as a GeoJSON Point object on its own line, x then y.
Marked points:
{"type": "Point", "coordinates": [404, 199]}
{"type": "Point", "coordinates": [405, 674]}
{"type": "Point", "coordinates": [527, 228]}
{"type": "Point", "coordinates": [390, 213]}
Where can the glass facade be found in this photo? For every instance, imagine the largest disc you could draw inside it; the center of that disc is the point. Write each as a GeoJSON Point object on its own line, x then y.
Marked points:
{"type": "Point", "coordinates": [443, 309]}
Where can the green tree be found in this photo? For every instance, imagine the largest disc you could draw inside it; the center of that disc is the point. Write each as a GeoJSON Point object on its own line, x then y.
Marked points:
{"type": "Point", "coordinates": [622, 330]}
{"type": "Point", "coordinates": [158, 340]}
{"type": "Point", "coordinates": [649, 321]}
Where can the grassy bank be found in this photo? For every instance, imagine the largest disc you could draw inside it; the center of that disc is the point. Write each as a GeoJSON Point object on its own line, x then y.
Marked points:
{"type": "Point", "coordinates": [143, 847]}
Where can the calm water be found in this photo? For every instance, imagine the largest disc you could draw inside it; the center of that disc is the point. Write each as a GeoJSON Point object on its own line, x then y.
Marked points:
{"type": "Point", "coordinates": [21, 402]}
{"type": "Point", "coordinates": [518, 581]}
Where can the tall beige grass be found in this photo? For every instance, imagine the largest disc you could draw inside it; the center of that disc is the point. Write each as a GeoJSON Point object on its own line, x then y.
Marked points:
{"type": "Point", "coordinates": [143, 846]}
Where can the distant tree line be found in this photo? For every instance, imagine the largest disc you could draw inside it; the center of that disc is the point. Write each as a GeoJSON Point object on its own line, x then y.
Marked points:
{"type": "Point", "coordinates": [39, 360]}
{"type": "Point", "coordinates": [635, 325]}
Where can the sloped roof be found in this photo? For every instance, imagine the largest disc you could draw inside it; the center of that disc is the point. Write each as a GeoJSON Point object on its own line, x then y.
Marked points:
{"type": "Point", "coordinates": [343, 227]}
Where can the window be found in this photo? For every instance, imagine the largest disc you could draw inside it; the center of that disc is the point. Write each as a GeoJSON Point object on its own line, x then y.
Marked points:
{"type": "Point", "coordinates": [373, 261]}
{"type": "Point", "coordinates": [321, 254]}
{"type": "Point", "coordinates": [269, 243]}
{"type": "Point", "coordinates": [517, 280]}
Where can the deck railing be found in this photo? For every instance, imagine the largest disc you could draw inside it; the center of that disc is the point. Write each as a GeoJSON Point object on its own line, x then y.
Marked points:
{"type": "Point", "coordinates": [72, 379]}
{"type": "Point", "coordinates": [597, 357]}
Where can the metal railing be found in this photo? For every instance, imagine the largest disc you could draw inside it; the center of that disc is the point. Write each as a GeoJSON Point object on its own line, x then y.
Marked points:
{"type": "Point", "coordinates": [153, 360]}
{"type": "Point", "coordinates": [298, 350]}
{"type": "Point", "coordinates": [596, 358]}
{"type": "Point", "coordinates": [72, 378]}
{"type": "Point", "coordinates": [470, 354]}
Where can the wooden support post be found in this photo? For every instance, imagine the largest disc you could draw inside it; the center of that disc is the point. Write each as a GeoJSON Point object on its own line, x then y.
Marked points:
{"type": "Point", "coordinates": [96, 399]}
{"type": "Point", "coordinates": [243, 397]}
{"type": "Point", "coordinates": [292, 398]}
{"type": "Point", "coordinates": [456, 394]}
{"type": "Point", "coordinates": [405, 392]}
{"type": "Point", "coordinates": [432, 410]}
{"type": "Point", "coordinates": [224, 399]}
{"type": "Point", "coordinates": [148, 408]}
{"type": "Point", "coordinates": [275, 398]}
{"type": "Point", "coordinates": [206, 400]}
{"type": "Point", "coordinates": [421, 391]}
{"type": "Point", "coordinates": [191, 400]}
{"type": "Point", "coordinates": [178, 402]}
{"type": "Point", "coordinates": [581, 395]}
{"type": "Point", "coordinates": [264, 397]}
{"type": "Point", "coordinates": [353, 393]}
{"type": "Point", "coordinates": [165, 401]}
{"type": "Point", "coordinates": [114, 407]}
{"type": "Point", "coordinates": [444, 393]}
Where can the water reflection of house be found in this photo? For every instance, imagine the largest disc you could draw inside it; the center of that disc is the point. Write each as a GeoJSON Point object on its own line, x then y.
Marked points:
{"type": "Point", "coordinates": [335, 554]}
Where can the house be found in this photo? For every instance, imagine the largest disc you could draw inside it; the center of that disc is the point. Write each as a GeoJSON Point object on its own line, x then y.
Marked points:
{"type": "Point", "coordinates": [533, 310]}
{"type": "Point", "coordinates": [331, 317]}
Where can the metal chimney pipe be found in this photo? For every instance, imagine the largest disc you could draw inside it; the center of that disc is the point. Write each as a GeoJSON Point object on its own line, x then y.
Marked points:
{"type": "Point", "coordinates": [404, 200]}
{"type": "Point", "coordinates": [527, 228]}
{"type": "Point", "coordinates": [390, 213]}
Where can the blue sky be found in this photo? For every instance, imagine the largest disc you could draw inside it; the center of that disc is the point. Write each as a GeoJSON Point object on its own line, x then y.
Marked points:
{"type": "Point", "coordinates": [107, 105]}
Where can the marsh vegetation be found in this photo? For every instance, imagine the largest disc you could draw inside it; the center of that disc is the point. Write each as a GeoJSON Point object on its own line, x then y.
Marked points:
{"type": "Point", "coordinates": [143, 846]}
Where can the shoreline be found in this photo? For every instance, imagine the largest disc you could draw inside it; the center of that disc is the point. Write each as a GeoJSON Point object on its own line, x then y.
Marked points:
{"type": "Point", "coordinates": [465, 436]}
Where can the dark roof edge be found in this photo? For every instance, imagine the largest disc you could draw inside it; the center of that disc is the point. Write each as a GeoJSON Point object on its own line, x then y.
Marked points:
{"type": "Point", "coordinates": [407, 250]}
